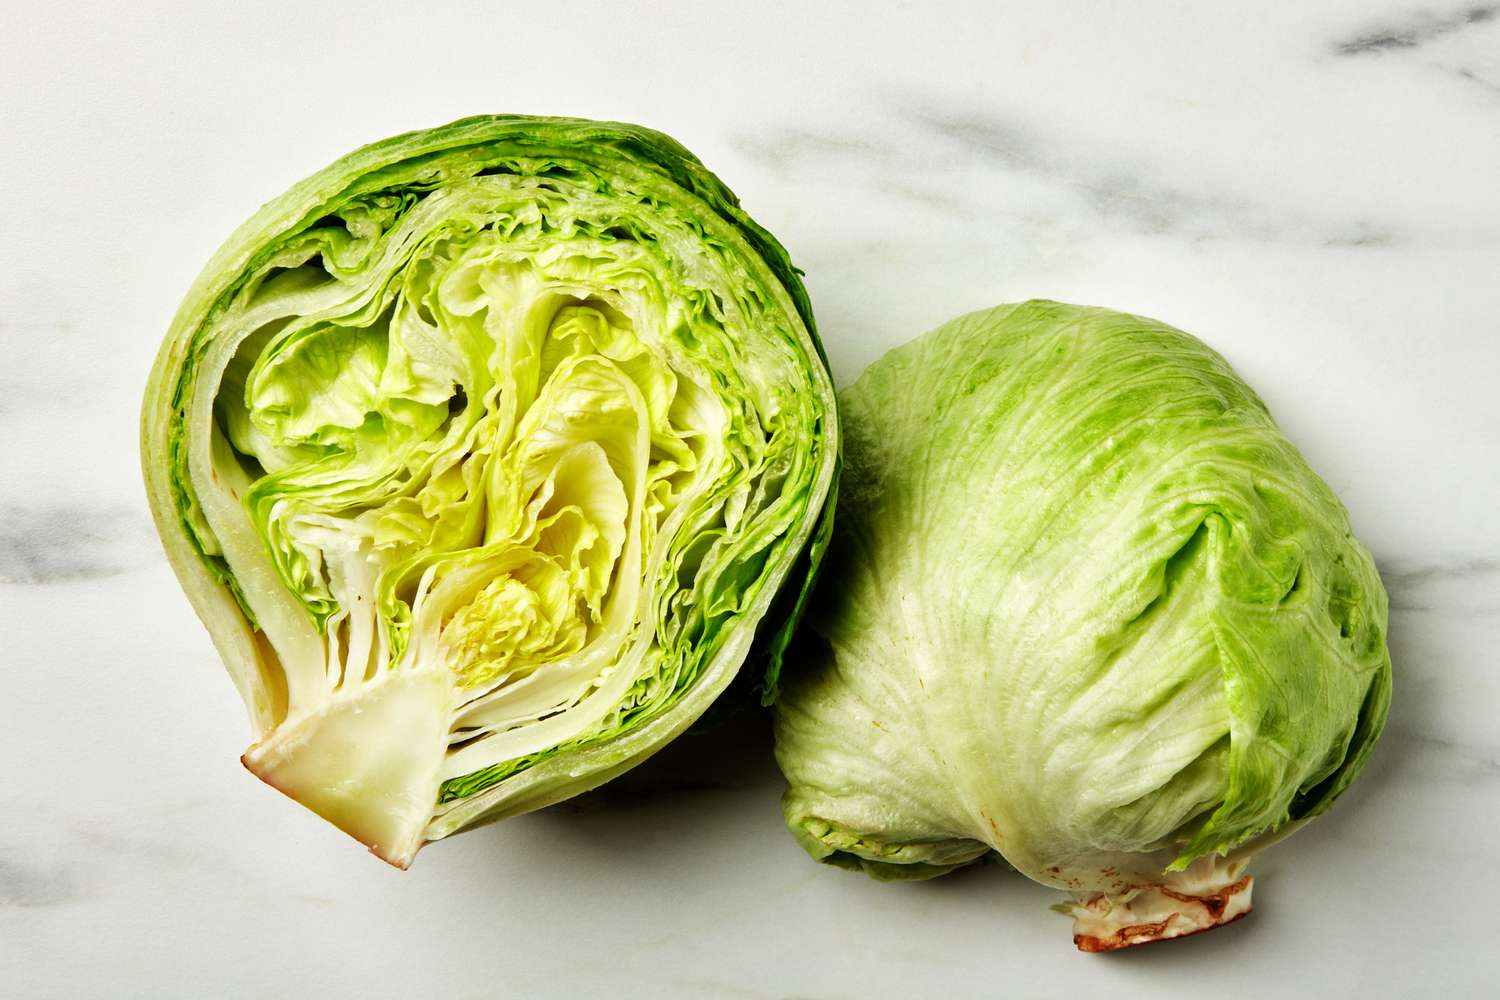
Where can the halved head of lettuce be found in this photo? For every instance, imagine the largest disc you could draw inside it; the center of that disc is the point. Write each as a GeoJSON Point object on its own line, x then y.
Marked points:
{"type": "Point", "coordinates": [484, 454]}
{"type": "Point", "coordinates": [1088, 608]}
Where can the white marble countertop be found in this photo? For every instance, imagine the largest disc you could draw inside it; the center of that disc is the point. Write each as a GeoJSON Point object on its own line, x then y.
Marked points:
{"type": "Point", "coordinates": [1314, 192]}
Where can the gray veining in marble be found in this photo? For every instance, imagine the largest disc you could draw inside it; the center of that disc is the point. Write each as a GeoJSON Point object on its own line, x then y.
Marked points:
{"type": "Point", "coordinates": [1416, 30]}
{"type": "Point", "coordinates": [1462, 44]}
{"type": "Point", "coordinates": [1465, 586]}
{"type": "Point", "coordinates": [47, 543]}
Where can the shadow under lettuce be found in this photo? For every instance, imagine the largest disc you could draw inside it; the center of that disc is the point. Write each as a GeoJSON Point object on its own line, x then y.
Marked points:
{"type": "Point", "coordinates": [732, 750]}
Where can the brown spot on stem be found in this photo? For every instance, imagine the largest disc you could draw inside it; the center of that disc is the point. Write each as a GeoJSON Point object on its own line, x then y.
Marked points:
{"type": "Point", "coordinates": [1139, 934]}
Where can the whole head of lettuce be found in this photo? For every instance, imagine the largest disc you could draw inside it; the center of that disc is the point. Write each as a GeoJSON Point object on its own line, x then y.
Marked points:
{"type": "Point", "coordinates": [484, 454]}
{"type": "Point", "coordinates": [1085, 607]}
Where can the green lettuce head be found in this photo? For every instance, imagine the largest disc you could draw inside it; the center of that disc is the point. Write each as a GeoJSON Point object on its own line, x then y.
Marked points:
{"type": "Point", "coordinates": [484, 454]}
{"type": "Point", "coordinates": [1085, 607]}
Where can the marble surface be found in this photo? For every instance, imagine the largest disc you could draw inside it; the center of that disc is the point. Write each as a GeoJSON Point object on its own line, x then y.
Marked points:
{"type": "Point", "coordinates": [1314, 189]}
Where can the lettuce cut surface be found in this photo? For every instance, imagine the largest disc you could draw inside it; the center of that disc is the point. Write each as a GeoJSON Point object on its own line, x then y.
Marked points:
{"type": "Point", "coordinates": [484, 454]}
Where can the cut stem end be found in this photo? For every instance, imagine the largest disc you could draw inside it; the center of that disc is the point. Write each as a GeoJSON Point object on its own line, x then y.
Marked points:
{"type": "Point", "coordinates": [367, 761]}
{"type": "Point", "coordinates": [1144, 914]}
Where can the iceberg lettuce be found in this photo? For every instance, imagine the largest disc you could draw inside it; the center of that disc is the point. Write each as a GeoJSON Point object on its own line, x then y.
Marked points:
{"type": "Point", "coordinates": [484, 454]}
{"type": "Point", "coordinates": [1086, 607]}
